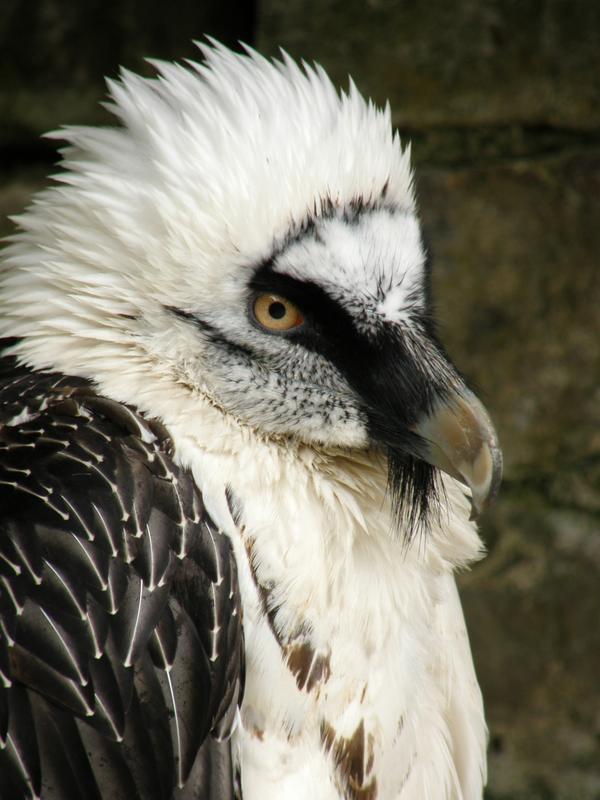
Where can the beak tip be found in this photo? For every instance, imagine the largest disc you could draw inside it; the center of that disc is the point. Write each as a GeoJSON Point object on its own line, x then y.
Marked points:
{"type": "Point", "coordinates": [486, 476]}
{"type": "Point", "coordinates": [461, 441]}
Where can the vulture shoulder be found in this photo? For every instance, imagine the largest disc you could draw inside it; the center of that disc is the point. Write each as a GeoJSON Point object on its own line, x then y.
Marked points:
{"type": "Point", "coordinates": [121, 643]}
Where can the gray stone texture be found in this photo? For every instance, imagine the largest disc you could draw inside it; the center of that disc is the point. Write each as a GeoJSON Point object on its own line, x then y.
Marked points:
{"type": "Point", "coordinates": [501, 100]}
{"type": "Point", "coordinates": [460, 62]}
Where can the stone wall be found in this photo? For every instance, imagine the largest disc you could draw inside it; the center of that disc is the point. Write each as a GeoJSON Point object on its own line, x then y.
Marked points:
{"type": "Point", "coordinates": [501, 101]}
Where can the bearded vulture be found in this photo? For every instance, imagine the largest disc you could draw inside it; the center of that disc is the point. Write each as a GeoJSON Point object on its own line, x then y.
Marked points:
{"type": "Point", "coordinates": [237, 467]}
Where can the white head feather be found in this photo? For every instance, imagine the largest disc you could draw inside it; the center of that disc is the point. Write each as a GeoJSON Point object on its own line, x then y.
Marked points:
{"type": "Point", "coordinates": [190, 186]}
{"type": "Point", "coordinates": [216, 167]}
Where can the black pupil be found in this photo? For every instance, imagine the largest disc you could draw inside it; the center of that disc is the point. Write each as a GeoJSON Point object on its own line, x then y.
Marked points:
{"type": "Point", "coordinates": [277, 310]}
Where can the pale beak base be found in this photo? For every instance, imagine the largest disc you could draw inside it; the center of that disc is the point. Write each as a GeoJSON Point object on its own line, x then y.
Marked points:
{"type": "Point", "coordinates": [459, 438]}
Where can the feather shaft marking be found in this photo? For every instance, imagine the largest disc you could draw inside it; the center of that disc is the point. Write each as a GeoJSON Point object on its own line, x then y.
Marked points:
{"type": "Point", "coordinates": [36, 578]}
{"type": "Point", "coordinates": [113, 546]}
{"type": "Point", "coordinates": [9, 589]}
{"type": "Point", "coordinates": [127, 661]}
{"type": "Point", "coordinates": [152, 585]}
{"type": "Point", "coordinates": [88, 532]}
{"type": "Point", "coordinates": [103, 584]}
{"type": "Point", "coordinates": [82, 679]}
{"type": "Point", "coordinates": [21, 763]}
{"type": "Point", "coordinates": [82, 612]}
{"type": "Point", "coordinates": [180, 782]}
{"type": "Point", "coordinates": [99, 702]}
{"type": "Point", "coordinates": [7, 635]}
{"type": "Point", "coordinates": [42, 497]}
{"type": "Point", "coordinates": [15, 567]}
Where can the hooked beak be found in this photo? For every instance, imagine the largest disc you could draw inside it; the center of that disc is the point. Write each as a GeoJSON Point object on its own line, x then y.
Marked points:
{"type": "Point", "coordinates": [459, 438]}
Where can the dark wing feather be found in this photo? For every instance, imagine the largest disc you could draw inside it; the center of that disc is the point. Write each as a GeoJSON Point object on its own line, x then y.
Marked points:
{"type": "Point", "coordinates": [121, 645]}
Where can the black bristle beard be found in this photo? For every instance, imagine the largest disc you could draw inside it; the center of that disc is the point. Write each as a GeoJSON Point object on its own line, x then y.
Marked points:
{"type": "Point", "coordinates": [416, 493]}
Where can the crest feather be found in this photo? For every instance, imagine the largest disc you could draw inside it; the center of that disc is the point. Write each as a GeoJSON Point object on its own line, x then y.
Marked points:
{"type": "Point", "coordinates": [214, 164]}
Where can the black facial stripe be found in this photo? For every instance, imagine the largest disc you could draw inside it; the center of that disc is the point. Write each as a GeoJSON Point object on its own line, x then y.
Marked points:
{"type": "Point", "coordinates": [185, 315]}
{"type": "Point", "coordinates": [210, 332]}
{"type": "Point", "coordinates": [394, 389]}
{"type": "Point", "coordinates": [379, 367]}
{"type": "Point", "coordinates": [330, 327]}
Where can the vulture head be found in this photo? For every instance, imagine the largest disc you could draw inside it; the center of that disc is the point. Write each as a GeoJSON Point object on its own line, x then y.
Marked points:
{"type": "Point", "coordinates": [252, 234]}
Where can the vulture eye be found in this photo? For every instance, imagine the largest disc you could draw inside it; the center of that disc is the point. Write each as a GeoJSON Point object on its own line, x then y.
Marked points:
{"type": "Point", "coordinates": [275, 313]}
